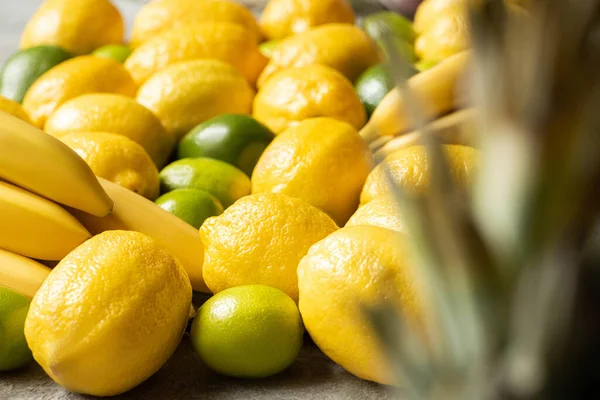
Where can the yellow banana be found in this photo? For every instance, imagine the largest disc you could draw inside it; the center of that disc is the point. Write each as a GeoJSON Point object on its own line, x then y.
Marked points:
{"type": "Point", "coordinates": [135, 213]}
{"type": "Point", "coordinates": [455, 128]}
{"type": "Point", "coordinates": [21, 274]}
{"type": "Point", "coordinates": [436, 90]}
{"type": "Point", "coordinates": [44, 165]}
{"type": "Point", "coordinates": [35, 227]}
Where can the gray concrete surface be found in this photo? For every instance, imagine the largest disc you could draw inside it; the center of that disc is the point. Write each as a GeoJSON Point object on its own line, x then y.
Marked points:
{"type": "Point", "coordinates": [313, 376]}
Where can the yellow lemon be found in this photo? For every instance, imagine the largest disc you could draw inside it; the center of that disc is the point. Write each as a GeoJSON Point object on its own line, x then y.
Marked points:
{"type": "Point", "coordinates": [409, 168]}
{"type": "Point", "coordinates": [186, 94]}
{"type": "Point", "coordinates": [354, 267]}
{"type": "Point", "coordinates": [344, 47]}
{"type": "Point", "coordinates": [72, 78]}
{"type": "Point", "coordinates": [429, 11]}
{"type": "Point", "coordinates": [449, 35]}
{"type": "Point", "coordinates": [104, 112]}
{"type": "Point", "coordinates": [118, 159]}
{"type": "Point", "coordinates": [384, 212]}
{"type": "Point", "coordinates": [227, 42]}
{"type": "Point", "coordinates": [261, 239]}
{"type": "Point", "coordinates": [321, 161]}
{"type": "Point", "coordinates": [79, 26]}
{"type": "Point", "coordinates": [110, 314]}
{"type": "Point", "coordinates": [282, 18]}
{"type": "Point", "coordinates": [295, 94]}
{"type": "Point", "coordinates": [160, 15]}
{"type": "Point", "coordinates": [13, 108]}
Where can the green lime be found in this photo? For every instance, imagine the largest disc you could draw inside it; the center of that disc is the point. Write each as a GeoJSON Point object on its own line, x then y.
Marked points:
{"type": "Point", "coordinates": [399, 26]}
{"type": "Point", "coordinates": [251, 331]}
{"type": "Point", "coordinates": [374, 84]}
{"type": "Point", "coordinates": [267, 48]}
{"type": "Point", "coordinates": [117, 52]}
{"type": "Point", "coordinates": [14, 352]}
{"type": "Point", "coordinates": [191, 205]}
{"type": "Point", "coordinates": [236, 139]}
{"type": "Point", "coordinates": [224, 181]}
{"type": "Point", "coordinates": [24, 67]}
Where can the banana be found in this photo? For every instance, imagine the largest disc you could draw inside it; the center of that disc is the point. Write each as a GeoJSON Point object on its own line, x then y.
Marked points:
{"type": "Point", "coordinates": [133, 212]}
{"type": "Point", "coordinates": [44, 165]}
{"type": "Point", "coordinates": [35, 227]}
{"type": "Point", "coordinates": [21, 274]}
{"type": "Point", "coordinates": [436, 90]}
{"type": "Point", "coordinates": [455, 128]}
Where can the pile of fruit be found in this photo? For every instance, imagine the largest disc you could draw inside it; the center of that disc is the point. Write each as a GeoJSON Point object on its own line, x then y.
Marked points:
{"type": "Point", "coordinates": [251, 159]}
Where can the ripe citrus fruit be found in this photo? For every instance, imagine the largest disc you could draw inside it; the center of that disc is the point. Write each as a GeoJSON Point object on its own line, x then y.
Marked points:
{"type": "Point", "coordinates": [78, 26]}
{"type": "Point", "coordinates": [234, 138]}
{"type": "Point", "coordinates": [373, 85]}
{"type": "Point", "coordinates": [14, 352]}
{"type": "Point", "coordinates": [282, 18]}
{"type": "Point", "coordinates": [106, 112]}
{"type": "Point", "coordinates": [355, 267]}
{"type": "Point", "coordinates": [223, 41]}
{"type": "Point", "coordinates": [295, 94]}
{"type": "Point", "coordinates": [321, 161]}
{"type": "Point", "coordinates": [110, 314]}
{"type": "Point", "coordinates": [72, 78]}
{"type": "Point", "coordinates": [160, 15]}
{"type": "Point", "coordinates": [191, 205]}
{"type": "Point", "coordinates": [186, 94]}
{"type": "Point", "coordinates": [26, 66]}
{"type": "Point", "coordinates": [13, 108]}
{"type": "Point", "coordinates": [409, 168]}
{"type": "Point", "coordinates": [222, 180]}
{"type": "Point", "coordinates": [344, 47]}
{"type": "Point", "coordinates": [251, 331]}
{"type": "Point", "coordinates": [384, 212]}
{"type": "Point", "coordinates": [260, 240]}
{"type": "Point", "coordinates": [117, 52]}
{"type": "Point", "coordinates": [118, 159]}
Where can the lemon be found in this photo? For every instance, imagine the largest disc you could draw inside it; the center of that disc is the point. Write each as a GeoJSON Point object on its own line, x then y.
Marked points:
{"type": "Point", "coordinates": [118, 52]}
{"type": "Point", "coordinates": [186, 94]}
{"type": "Point", "coordinates": [355, 267]}
{"type": "Point", "coordinates": [78, 26]}
{"type": "Point", "coordinates": [25, 66]}
{"type": "Point", "coordinates": [281, 18]}
{"type": "Point", "coordinates": [227, 42]}
{"type": "Point", "coordinates": [260, 240]}
{"type": "Point", "coordinates": [343, 47]}
{"type": "Point", "coordinates": [251, 331]}
{"type": "Point", "coordinates": [383, 212]}
{"type": "Point", "coordinates": [222, 180]}
{"type": "Point", "coordinates": [409, 168]}
{"type": "Point", "coordinates": [448, 36]}
{"type": "Point", "coordinates": [429, 11]}
{"type": "Point", "coordinates": [191, 205]}
{"type": "Point", "coordinates": [295, 94]}
{"type": "Point", "coordinates": [321, 161]}
{"type": "Point", "coordinates": [106, 112]}
{"type": "Point", "coordinates": [236, 139]}
{"type": "Point", "coordinates": [72, 78]}
{"type": "Point", "coordinates": [110, 314]}
{"type": "Point", "coordinates": [14, 352]}
{"type": "Point", "coordinates": [160, 15]}
{"type": "Point", "coordinates": [13, 108]}
{"type": "Point", "coordinates": [118, 159]}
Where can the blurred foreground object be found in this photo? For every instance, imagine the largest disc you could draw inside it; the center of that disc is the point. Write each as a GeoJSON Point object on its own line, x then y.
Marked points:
{"type": "Point", "coordinates": [509, 276]}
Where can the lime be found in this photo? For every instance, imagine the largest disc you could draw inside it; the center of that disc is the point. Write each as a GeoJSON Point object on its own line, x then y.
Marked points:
{"type": "Point", "coordinates": [191, 205]}
{"type": "Point", "coordinates": [24, 67]}
{"type": "Point", "coordinates": [267, 48]}
{"type": "Point", "coordinates": [14, 352]}
{"type": "Point", "coordinates": [224, 181]}
{"type": "Point", "coordinates": [251, 331]}
{"type": "Point", "coordinates": [234, 138]}
{"type": "Point", "coordinates": [374, 84]}
{"type": "Point", "coordinates": [399, 26]}
{"type": "Point", "coordinates": [117, 52]}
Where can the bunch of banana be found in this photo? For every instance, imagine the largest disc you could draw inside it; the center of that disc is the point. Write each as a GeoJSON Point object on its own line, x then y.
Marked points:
{"type": "Point", "coordinates": [21, 274]}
